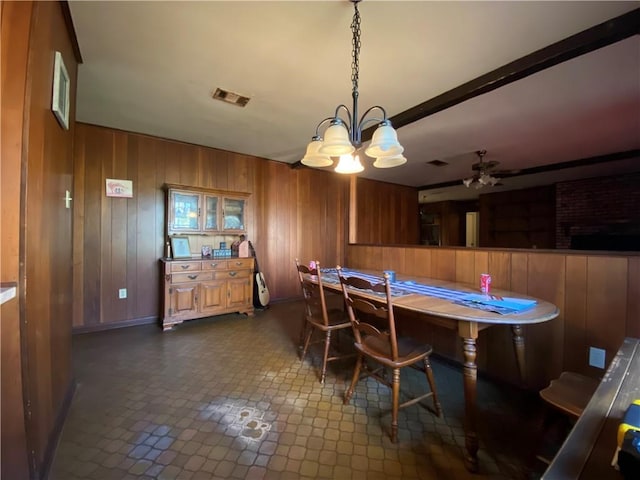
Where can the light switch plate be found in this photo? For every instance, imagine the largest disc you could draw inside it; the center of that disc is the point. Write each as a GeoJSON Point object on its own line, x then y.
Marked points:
{"type": "Point", "coordinates": [596, 357]}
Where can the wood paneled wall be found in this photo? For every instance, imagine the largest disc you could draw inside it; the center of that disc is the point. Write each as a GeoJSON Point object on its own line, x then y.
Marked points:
{"type": "Point", "coordinates": [291, 213]}
{"type": "Point", "coordinates": [597, 295]}
{"type": "Point", "coordinates": [518, 218]}
{"type": "Point", "coordinates": [384, 213]}
{"type": "Point", "coordinates": [39, 167]}
{"type": "Point", "coordinates": [16, 24]}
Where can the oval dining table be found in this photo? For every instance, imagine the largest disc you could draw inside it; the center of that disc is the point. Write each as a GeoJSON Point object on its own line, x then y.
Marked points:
{"type": "Point", "coordinates": [423, 295]}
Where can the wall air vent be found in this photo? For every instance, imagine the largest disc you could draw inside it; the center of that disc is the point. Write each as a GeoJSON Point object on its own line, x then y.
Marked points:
{"type": "Point", "coordinates": [437, 163]}
{"type": "Point", "coordinates": [230, 97]}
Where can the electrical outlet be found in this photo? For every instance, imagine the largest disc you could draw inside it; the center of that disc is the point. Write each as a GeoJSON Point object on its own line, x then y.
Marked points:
{"type": "Point", "coordinates": [596, 357]}
{"type": "Point", "coordinates": [122, 293]}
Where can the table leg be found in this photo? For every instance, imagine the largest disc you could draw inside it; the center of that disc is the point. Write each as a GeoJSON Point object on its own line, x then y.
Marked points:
{"type": "Point", "coordinates": [468, 331]}
{"type": "Point", "coordinates": [518, 345]}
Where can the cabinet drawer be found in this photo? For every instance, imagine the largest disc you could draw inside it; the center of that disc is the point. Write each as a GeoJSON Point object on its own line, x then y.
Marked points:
{"type": "Point", "coordinates": [238, 263]}
{"type": "Point", "coordinates": [214, 265]}
{"type": "Point", "coordinates": [185, 266]}
{"type": "Point", "coordinates": [231, 274]}
{"type": "Point", "coordinates": [191, 277]}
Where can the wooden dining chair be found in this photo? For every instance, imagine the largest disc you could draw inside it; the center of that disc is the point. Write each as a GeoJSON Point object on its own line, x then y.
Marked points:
{"type": "Point", "coordinates": [376, 339]}
{"type": "Point", "coordinates": [568, 396]}
{"type": "Point", "coordinates": [319, 318]}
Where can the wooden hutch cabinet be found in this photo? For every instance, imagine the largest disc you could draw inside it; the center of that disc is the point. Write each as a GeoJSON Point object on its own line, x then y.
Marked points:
{"type": "Point", "coordinates": [195, 211]}
{"type": "Point", "coordinates": [206, 287]}
{"type": "Point", "coordinates": [199, 286]}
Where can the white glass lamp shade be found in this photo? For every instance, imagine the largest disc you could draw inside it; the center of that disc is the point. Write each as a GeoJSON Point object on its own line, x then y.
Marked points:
{"type": "Point", "coordinates": [388, 162]}
{"type": "Point", "coordinates": [467, 182]}
{"type": "Point", "coordinates": [384, 143]}
{"type": "Point", "coordinates": [349, 164]}
{"type": "Point", "coordinates": [314, 159]}
{"type": "Point", "coordinates": [336, 141]}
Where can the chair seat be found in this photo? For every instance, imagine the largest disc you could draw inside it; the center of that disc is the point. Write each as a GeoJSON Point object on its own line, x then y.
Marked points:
{"type": "Point", "coordinates": [336, 319]}
{"type": "Point", "coordinates": [409, 351]}
{"type": "Point", "coordinates": [570, 392]}
{"type": "Point", "coordinates": [376, 339]}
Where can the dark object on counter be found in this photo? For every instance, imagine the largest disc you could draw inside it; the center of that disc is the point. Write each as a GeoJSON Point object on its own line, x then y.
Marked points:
{"type": "Point", "coordinates": [629, 455]}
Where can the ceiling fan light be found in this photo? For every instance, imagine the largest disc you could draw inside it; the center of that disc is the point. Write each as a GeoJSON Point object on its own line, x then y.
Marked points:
{"type": "Point", "coordinates": [467, 182]}
{"type": "Point", "coordinates": [384, 142]}
{"type": "Point", "coordinates": [389, 162]}
{"type": "Point", "coordinates": [314, 159]}
{"type": "Point", "coordinates": [336, 141]}
{"type": "Point", "coordinates": [349, 164]}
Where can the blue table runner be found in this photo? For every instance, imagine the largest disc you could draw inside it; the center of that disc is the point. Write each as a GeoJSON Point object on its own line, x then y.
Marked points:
{"type": "Point", "coordinates": [500, 305]}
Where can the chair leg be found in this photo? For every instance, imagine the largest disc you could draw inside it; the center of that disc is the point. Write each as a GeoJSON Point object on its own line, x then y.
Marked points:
{"type": "Point", "coordinates": [395, 388]}
{"type": "Point", "coordinates": [354, 380]}
{"type": "Point", "coordinates": [327, 343]}
{"type": "Point", "coordinates": [432, 384]}
{"type": "Point", "coordinates": [306, 342]}
{"type": "Point", "coordinates": [303, 331]}
{"type": "Point", "coordinates": [542, 426]}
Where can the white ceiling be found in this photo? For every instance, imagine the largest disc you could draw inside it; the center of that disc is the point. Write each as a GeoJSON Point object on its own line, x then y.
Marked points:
{"type": "Point", "coordinates": [151, 67]}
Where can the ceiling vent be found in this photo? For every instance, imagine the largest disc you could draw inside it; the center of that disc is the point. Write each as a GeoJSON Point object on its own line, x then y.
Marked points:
{"type": "Point", "coordinates": [230, 97]}
{"type": "Point", "coordinates": [437, 163]}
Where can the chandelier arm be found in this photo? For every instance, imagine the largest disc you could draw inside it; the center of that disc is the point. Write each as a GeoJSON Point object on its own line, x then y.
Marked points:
{"type": "Point", "coordinates": [365, 121]}
{"type": "Point", "coordinates": [342, 106]}
{"type": "Point", "coordinates": [326, 120]}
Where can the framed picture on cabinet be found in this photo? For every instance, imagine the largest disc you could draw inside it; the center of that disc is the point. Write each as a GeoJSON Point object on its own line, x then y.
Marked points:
{"type": "Point", "coordinates": [180, 247]}
{"type": "Point", "coordinates": [60, 100]}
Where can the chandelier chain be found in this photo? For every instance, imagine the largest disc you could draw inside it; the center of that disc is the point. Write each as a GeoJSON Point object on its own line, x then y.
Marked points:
{"type": "Point", "coordinates": [343, 133]}
{"type": "Point", "coordinates": [355, 52]}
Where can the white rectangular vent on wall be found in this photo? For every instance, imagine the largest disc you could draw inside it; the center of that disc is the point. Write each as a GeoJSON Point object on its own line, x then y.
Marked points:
{"type": "Point", "coordinates": [230, 97]}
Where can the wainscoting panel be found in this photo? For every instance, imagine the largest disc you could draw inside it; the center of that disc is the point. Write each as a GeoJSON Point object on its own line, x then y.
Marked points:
{"type": "Point", "coordinates": [595, 292]}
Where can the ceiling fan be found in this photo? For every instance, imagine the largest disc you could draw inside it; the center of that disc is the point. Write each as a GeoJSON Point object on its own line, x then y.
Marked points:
{"type": "Point", "coordinates": [484, 173]}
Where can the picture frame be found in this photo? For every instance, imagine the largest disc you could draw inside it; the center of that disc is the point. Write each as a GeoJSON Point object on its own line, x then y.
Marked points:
{"type": "Point", "coordinates": [206, 251]}
{"type": "Point", "coordinates": [61, 86]}
{"type": "Point", "coordinates": [180, 247]}
{"type": "Point", "coordinates": [119, 188]}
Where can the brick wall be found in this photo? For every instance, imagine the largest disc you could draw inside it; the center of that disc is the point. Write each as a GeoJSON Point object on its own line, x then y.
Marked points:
{"type": "Point", "coordinates": [602, 205]}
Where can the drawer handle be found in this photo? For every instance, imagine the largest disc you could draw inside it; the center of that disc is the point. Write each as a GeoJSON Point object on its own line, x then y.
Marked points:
{"type": "Point", "coordinates": [184, 267]}
{"type": "Point", "coordinates": [192, 277]}
{"type": "Point", "coordinates": [233, 274]}
{"type": "Point", "coordinates": [239, 264]}
{"type": "Point", "coordinates": [214, 265]}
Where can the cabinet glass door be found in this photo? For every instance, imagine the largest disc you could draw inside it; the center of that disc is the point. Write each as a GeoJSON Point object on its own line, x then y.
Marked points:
{"type": "Point", "coordinates": [233, 211]}
{"type": "Point", "coordinates": [185, 211]}
{"type": "Point", "coordinates": [211, 213]}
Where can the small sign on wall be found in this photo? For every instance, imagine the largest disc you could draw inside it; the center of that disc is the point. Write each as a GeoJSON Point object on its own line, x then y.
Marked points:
{"type": "Point", "coordinates": [119, 188]}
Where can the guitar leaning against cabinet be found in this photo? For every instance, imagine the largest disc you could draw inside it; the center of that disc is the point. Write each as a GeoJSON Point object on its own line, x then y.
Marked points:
{"type": "Point", "coordinates": [260, 290]}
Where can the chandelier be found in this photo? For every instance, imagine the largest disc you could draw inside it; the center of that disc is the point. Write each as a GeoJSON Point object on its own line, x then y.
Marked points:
{"type": "Point", "coordinates": [482, 176]}
{"type": "Point", "coordinates": [343, 137]}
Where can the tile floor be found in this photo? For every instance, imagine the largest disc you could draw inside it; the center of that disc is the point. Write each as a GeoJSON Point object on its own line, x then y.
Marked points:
{"type": "Point", "coordinates": [227, 397]}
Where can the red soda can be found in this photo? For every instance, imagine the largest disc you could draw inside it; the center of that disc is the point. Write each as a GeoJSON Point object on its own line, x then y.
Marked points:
{"type": "Point", "coordinates": [485, 283]}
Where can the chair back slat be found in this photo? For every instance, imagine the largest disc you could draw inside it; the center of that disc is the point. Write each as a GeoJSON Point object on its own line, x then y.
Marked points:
{"type": "Point", "coordinates": [361, 311]}
{"type": "Point", "coordinates": [313, 293]}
